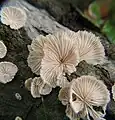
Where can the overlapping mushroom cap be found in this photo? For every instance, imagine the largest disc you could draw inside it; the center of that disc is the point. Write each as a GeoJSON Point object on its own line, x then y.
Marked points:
{"type": "Point", "coordinates": [54, 55]}
{"type": "Point", "coordinates": [13, 16]}
{"type": "Point", "coordinates": [90, 48]}
{"type": "Point", "coordinates": [36, 54]}
{"type": "Point", "coordinates": [60, 56]}
{"type": "Point", "coordinates": [83, 95]}
{"type": "Point", "coordinates": [7, 71]}
{"type": "Point", "coordinates": [3, 49]}
{"type": "Point", "coordinates": [37, 87]}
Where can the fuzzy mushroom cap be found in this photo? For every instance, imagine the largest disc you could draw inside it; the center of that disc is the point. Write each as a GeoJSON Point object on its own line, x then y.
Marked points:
{"type": "Point", "coordinates": [3, 50]}
{"type": "Point", "coordinates": [86, 92]}
{"type": "Point", "coordinates": [38, 87]}
{"type": "Point", "coordinates": [7, 71]}
{"type": "Point", "coordinates": [36, 54]}
{"type": "Point", "coordinates": [60, 57]}
{"type": "Point", "coordinates": [90, 48]}
{"type": "Point", "coordinates": [13, 16]}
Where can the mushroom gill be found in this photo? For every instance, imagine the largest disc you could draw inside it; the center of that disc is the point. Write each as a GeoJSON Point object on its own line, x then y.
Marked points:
{"type": "Point", "coordinates": [83, 95]}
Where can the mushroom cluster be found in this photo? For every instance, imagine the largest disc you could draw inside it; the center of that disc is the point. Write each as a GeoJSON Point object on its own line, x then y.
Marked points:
{"type": "Point", "coordinates": [82, 96]}
{"type": "Point", "coordinates": [54, 55]}
{"type": "Point", "coordinates": [37, 87]}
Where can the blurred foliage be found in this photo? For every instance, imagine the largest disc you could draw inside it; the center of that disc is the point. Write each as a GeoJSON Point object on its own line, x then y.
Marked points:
{"type": "Point", "coordinates": [102, 14]}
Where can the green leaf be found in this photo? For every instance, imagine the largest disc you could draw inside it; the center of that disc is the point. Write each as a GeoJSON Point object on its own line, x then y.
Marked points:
{"type": "Point", "coordinates": [109, 30]}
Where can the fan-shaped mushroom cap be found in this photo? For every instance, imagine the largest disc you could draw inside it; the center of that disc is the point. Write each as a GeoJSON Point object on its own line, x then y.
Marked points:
{"type": "Point", "coordinates": [36, 54]}
{"type": "Point", "coordinates": [113, 91]}
{"type": "Point", "coordinates": [90, 48]}
{"type": "Point", "coordinates": [13, 16]}
{"type": "Point", "coordinates": [60, 56]}
{"type": "Point", "coordinates": [86, 92]}
{"type": "Point", "coordinates": [39, 87]}
{"type": "Point", "coordinates": [3, 49]}
{"type": "Point", "coordinates": [7, 71]}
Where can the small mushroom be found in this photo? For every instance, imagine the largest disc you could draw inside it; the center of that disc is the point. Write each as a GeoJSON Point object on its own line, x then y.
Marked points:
{"type": "Point", "coordinates": [13, 16]}
{"type": "Point", "coordinates": [3, 50]}
{"type": "Point", "coordinates": [7, 71]}
{"type": "Point", "coordinates": [38, 87]}
{"type": "Point", "coordinates": [18, 118]}
{"type": "Point", "coordinates": [18, 96]}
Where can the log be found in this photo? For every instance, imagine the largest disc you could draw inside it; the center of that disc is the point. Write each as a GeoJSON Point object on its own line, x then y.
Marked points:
{"type": "Point", "coordinates": [43, 20]}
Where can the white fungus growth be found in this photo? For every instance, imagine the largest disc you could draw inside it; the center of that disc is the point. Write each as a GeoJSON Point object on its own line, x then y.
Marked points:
{"type": "Point", "coordinates": [36, 54]}
{"type": "Point", "coordinates": [90, 48]}
{"type": "Point", "coordinates": [13, 16]}
{"type": "Point", "coordinates": [54, 55]}
{"type": "Point", "coordinates": [18, 118]}
{"type": "Point", "coordinates": [3, 50]}
{"type": "Point", "coordinates": [7, 71]}
{"type": "Point", "coordinates": [82, 95]}
{"type": "Point", "coordinates": [18, 96]}
{"type": "Point", "coordinates": [38, 87]}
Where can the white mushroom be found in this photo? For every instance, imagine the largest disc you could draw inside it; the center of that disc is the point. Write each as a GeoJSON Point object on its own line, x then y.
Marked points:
{"type": "Point", "coordinates": [36, 54]}
{"type": "Point", "coordinates": [38, 87]}
{"type": "Point", "coordinates": [3, 50]}
{"type": "Point", "coordinates": [13, 16]}
{"type": "Point", "coordinates": [60, 57]}
{"type": "Point", "coordinates": [86, 92]}
{"type": "Point", "coordinates": [7, 71]}
{"type": "Point", "coordinates": [82, 95]}
{"type": "Point", "coordinates": [90, 48]}
{"type": "Point", "coordinates": [54, 55]}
